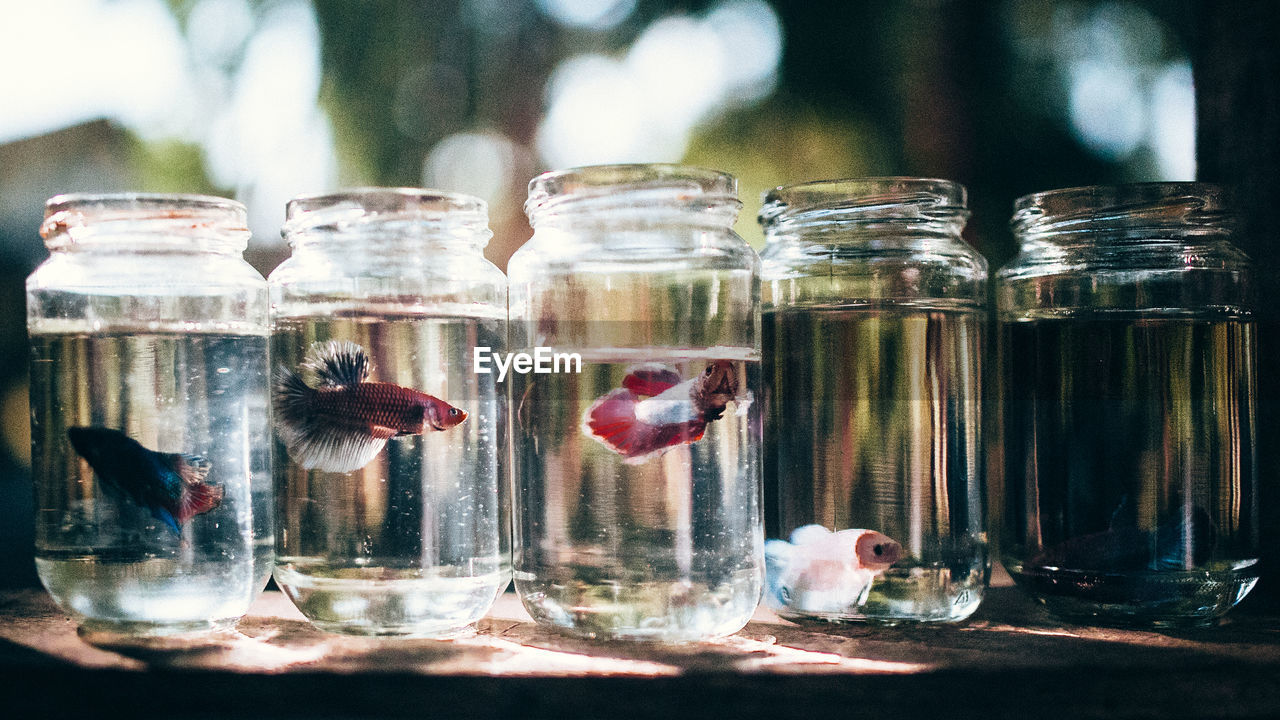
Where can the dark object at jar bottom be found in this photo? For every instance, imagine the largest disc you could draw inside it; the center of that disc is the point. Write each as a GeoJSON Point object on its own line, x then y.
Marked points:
{"type": "Point", "coordinates": [1143, 598]}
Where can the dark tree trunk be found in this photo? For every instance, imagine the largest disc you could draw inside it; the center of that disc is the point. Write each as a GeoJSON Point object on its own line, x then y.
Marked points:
{"type": "Point", "coordinates": [1237, 77]}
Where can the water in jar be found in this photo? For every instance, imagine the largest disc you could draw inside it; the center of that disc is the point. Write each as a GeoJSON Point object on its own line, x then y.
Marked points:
{"type": "Point", "coordinates": [1129, 446]}
{"type": "Point", "coordinates": [415, 542]}
{"type": "Point", "coordinates": [114, 545]}
{"type": "Point", "coordinates": [872, 424]}
{"type": "Point", "coordinates": [652, 537]}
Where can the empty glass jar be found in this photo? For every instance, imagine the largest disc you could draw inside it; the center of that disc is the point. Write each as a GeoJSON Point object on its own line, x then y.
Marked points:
{"type": "Point", "coordinates": [390, 459]}
{"type": "Point", "coordinates": [1127, 352]}
{"type": "Point", "coordinates": [637, 506]}
{"type": "Point", "coordinates": [874, 316]}
{"type": "Point", "coordinates": [148, 407]}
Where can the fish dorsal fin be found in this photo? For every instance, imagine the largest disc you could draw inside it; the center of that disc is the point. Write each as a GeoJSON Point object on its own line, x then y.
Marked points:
{"type": "Point", "coordinates": [809, 534]}
{"type": "Point", "coordinates": [1124, 515]}
{"type": "Point", "coordinates": [651, 379]}
{"type": "Point", "coordinates": [339, 363]}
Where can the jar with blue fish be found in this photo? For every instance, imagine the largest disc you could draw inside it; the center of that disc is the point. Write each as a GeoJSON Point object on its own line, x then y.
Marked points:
{"type": "Point", "coordinates": [874, 317]}
{"type": "Point", "coordinates": [637, 471]}
{"type": "Point", "coordinates": [148, 350]}
{"type": "Point", "coordinates": [1127, 345]}
{"type": "Point", "coordinates": [391, 450]}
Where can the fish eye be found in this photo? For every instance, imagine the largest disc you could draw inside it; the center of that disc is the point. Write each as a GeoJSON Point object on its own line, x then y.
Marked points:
{"type": "Point", "coordinates": [878, 550]}
{"type": "Point", "coordinates": [709, 369]}
{"type": "Point", "coordinates": [454, 412]}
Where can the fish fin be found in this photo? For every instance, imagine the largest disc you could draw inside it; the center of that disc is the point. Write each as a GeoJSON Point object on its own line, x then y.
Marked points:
{"type": "Point", "coordinates": [1124, 515]}
{"type": "Point", "coordinates": [290, 399]}
{"type": "Point", "coordinates": [198, 498]}
{"type": "Point", "coordinates": [777, 551]}
{"type": "Point", "coordinates": [777, 561]}
{"type": "Point", "coordinates": [189, 495]}
{"type": "Point", "coordinates": [339, 363]}
{"type": "Point", "coordinates": [163, 515]}
{"type": "Point", "coordinates": [809, 534]}
{"type": "Point", "coordinates": [323, 447]}
{"type": "Point", "coordinates": [612, 421]}
{"type": "Point", "coordinates": [649, 380]}
{"type": "Point", "coordinates": [312, 443]}
{"type": "Point", "coordinates": [193, 469]}
{"type": "Point", "coordinates": [382, 432]}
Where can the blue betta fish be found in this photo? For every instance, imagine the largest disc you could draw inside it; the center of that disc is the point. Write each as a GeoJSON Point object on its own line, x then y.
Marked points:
{"type": "Point", "coordinates": [1183, 538]}
{"type": "Point", "coordinates": [171, 485]}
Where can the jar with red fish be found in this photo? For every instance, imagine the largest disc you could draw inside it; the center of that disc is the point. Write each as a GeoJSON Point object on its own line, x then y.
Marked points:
{"type": "Point", "coordinates": [148, 336]}
{"type": "Point", "coordinates": [874, 317]}
{"type": "Point", "coordinates": [636, 444]}
{"type": "Point", "coordinates": [1127, 346]}
{"type": "Point", "coordinates": [390, 448]}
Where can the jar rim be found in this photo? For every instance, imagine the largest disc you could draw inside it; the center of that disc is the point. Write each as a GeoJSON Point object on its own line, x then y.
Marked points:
{"type": "Point", "coordinates": [1135, 205]}
{"type": "Point", "coordinates": [72, 218]}
{"type": "Point", "coordinates": [354, 209]}
{"type": "Point", "coordinates": [387, 199]}
{"type": "Point", "coordinates": [648, 182]}
{"type": "Point", "coordinates": [877, 197]}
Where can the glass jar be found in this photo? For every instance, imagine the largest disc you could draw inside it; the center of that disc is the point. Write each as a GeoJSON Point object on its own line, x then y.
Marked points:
{"type": "Point", "coordinates": [874, 317]}
{"type": "Point", "coordinates": [390, 456]}
{"type": "Point", "coordinates": [148, 406]}
{"type": "Point", "coordinates": [637, 471]}
{"type": "Point", "coordinates": [1127, 353]}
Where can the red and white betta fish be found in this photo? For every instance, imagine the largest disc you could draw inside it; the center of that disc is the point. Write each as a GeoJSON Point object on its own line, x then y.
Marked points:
{"type": "Point", "coordinates": [826, 572]}
{"type": "Point", "coordinates": [655, 410]}
{"type": "Point", "coordinates": [345, 421]}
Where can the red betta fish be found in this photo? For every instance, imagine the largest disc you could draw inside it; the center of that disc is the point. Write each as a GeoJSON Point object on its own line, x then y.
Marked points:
{"type": "Point", "coordinates": [171, 485]}
{"type": "Point", "coordinates": [671, 412]}
{"type": "Point", "coordinates": [343, 423]}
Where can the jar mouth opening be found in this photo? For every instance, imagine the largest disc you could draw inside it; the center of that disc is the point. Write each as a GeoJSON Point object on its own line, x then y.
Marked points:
{"type": "Point", "coordinates": [633, 185]}
{"type": "Point", "coordinates": [869, 198]}
{"type": "Point", "coordinates": [75, 218]}
{"type": "Point", "coordinates": [398, 209]}
{"type": "Point", "coordinates": [1136, 206]}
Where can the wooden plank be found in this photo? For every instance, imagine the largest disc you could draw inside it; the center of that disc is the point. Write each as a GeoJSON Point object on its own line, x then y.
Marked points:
{"type": "Point", "coordinates": [1008, 661]}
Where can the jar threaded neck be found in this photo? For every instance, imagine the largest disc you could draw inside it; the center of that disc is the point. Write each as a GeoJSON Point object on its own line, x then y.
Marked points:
{"type": "Point", "coordinates": [158, 220]}
{"type": "Point", "coordinates": [1139, 211]}
{"type": "Point", "coordinates": [867, 203]}
{"type": "Point", "coordinates": [625, 191]}
{"type": "Point", "coordinates": [387, 214]}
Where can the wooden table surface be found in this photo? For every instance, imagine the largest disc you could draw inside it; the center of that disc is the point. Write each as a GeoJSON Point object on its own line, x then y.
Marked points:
{"type": "Point", "coordinates": [1009, 660]}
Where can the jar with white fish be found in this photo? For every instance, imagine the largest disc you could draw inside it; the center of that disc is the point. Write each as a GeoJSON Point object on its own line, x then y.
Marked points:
{"type": "Point", "coordinates": [874, 316]}
{"type": "Point", "coordinates": [391, 451]}
{"type": "Point", "coordinates": [636, 444]}
{"type": "Point", "coordinates": [148, 336]}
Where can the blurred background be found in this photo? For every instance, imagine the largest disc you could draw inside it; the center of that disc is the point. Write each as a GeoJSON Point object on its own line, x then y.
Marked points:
{"type": "Point", "coordinates": [265, 99]}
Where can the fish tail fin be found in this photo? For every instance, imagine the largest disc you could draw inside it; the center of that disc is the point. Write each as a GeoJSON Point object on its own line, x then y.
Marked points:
{"type": "Point", "coordinates": [314, 443]}
{"type": "Point", "coordinates": [163, 515]}
{"type": "Point", "coordinates": [197, 499]}
{"type": "Point", "coordinates": [612, 421]}
{"type": "Point", "coordinates": [339, 363]}
{"type": "Point", "coordinates": [193, 469]}
{"type": "Point", "coordinates": [777, 560]}
{"type": "Point", "coordinates": [650, 379]}
{"type": "Point", "coordinates": [194, 496]}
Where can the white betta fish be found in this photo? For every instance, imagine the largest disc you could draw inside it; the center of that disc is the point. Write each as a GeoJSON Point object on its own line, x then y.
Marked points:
{"type": "Point", "coordinates": [821, 571]}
